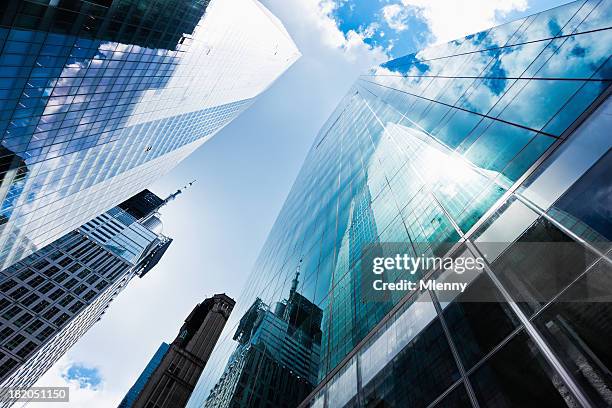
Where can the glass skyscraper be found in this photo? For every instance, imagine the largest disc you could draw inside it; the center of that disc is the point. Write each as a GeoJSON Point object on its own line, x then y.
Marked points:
{"type": "Point", "coordinates": [143, 378]}
{"type": "Point", "coordinates": [50, 299]}
{"type": "Point", "coordinates": [499, 137]}
{"type": "Point", "coordinates": [99, 98]}
{"type": "Point", "coordinates": [277, 358]}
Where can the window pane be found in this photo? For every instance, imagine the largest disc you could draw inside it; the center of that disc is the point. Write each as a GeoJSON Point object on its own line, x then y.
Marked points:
{"type": "Point", "coordinates": [457, 126]}
{"type": "Point", "coordinates": [518, 376]}
{"type": "Point", "coordinates": [547, 24]}
{"type": "Point", "coordinates": [417, 375]}
{"type": "Point", "coordinates": [600, 17]}
{"type": "Point", "coordinates": [542, 262]}
{"type": "Point", "coordinates": [457, 398]}
{"type": "Point", "coordinates": [538, 101]}
{"type": "Point", "coordinates": [498, 145]}
{"type": "Point", "coordinates": [590, 218]}
{"type": "Point", "coordinates": [577, 56]}
{"type": "Point", "coordinates": [478, 326]}
{"type": "Point", "coordinates": [579, 329]}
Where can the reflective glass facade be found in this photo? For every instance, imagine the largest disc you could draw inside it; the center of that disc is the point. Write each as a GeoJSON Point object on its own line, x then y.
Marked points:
{"type": "Point", "coordinates": [98, 99]}
{"type": "Point", "coordinates": [502, 136]}
{"type": "Point", "coordinates": [277, 358]}
{"type": "Point", "coordinates": [132, 394]}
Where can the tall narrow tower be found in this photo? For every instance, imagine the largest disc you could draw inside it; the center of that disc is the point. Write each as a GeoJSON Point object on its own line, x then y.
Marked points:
{"type": "Point", "coordinates": [50, 299]}
{"type": "Point", "coordinates": [174, 379]}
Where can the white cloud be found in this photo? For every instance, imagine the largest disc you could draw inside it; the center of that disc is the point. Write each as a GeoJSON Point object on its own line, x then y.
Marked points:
{"type": "Point", "coordinates": [449, 20]}
{"type": "Point", "coordinates": [395, 15]}
{"type": "Point", "coordinates": [370, 30]}
{"type": "Point", "coordinates": [99, 396]}
{"type": "Point", "coordinates": [318, 15]}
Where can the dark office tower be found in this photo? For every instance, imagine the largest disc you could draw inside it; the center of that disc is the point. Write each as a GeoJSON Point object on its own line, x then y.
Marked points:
{"type": "Point", "coordinates": [98, 99]}
{"type": "Point", "coordinates": [51, 298]}
{"type": "Point", "coordinates": [277, 358]}
{"type": "Point", "coordinates": [500, 137]}
{"type": "Point", "coordinates": [141, 381]}
{"type": "Point", "coordinates": [174, 378]}
{"type": "Point", "coordinates": [142, 204]}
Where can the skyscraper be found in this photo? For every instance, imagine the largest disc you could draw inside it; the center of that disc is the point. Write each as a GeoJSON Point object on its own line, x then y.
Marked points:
{"type": "Point", "coordinates": [277, 358]}
{"type": "Point", "coordinates": [141, 381]}
{"type": "Point", "coordinates": [100, 98]}
{"type": "Point", "coordinates": [51, 298]}
{"type": "Point", "coordinates": [172, 381]}
{"type": "Point", "coordinates": [501, 137]}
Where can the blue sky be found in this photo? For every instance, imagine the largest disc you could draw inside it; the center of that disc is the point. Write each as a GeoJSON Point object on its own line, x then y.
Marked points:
{"type": "Point", "coordinates": [85, 377]}
{"type": "Point", "coordinates": [245, 172]}
{"type": "Point", "coordinates": [398, 30]}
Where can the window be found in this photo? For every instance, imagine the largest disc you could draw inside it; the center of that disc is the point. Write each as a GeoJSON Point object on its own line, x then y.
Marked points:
{"type": "Point", "coordinates": [61, 319]}
{"type": "Point", "coordinates": [65, 262]}
{"type": "Point", "coordinates": [426, 363]}
{"type": "Point", "coordinates": [30, 299]}
{"type": "Point", "coordinates": [518, 376]}
{"type": "Point", "coordinates": [46, 287]}
{"type": "Point", "coordinates": [5, 333]}
{"type": "Point", "coordinates": [70, 284]}
{"type": "Point", "coordinates": [40, 306]}
{"type": "Point", "coordinates": [14, 342]}
{"type": "Point", "coordinates": [66, 300]}
{"type": "Point", "coordinates": [56, 294]}
{"type": "Point", "coordinates": [19, 293]}
{"type": "Point", "coordinates": [23, 319]}
{"type": "Point", "coordinates": [51, 271]}
{"type": "Point", "coordinates": [35, 282]}
{"type": "Point", "coordinates": [12, 312]}
{"type": "Point", "coordinates": [577, 327]}
{"type": "Point", "coordinates": [45, 334]}
{"type": "Point", "coordinates": [80, 289]}
{"type": "Point", "coordinates": [479, 320]}
{"type": "Point", "coordinates": [35, 325]}
{"type": "Point", "coordinates": [27, 349]}
{"type": "Point", "coordinates": [55, 255]}
{"type": "Point", "coordinates": [49, 314]}
{"type": "Point", "coordinates": [7, 366]}
{"type": "Point", "coordinates": [59, 278]}
{"type": "Point", "coordinates": [102, 285]}
{"type": "Point", "coordinates": [8, 285]}
{"type": "Point", "coordinates": [25, 275]}
{"type": "Point", "coordinates": [591, 219]}
{"type": "Point", "coordinates": [89, 295]}
{"type": "Point", "coordinates": [75, 267]}
{"type": "Point", "coordinates": [76, 307]}
{"type": "Point", "coordinates": [41, 264]}
{"type": "Point", "coordinates": [540, 264]}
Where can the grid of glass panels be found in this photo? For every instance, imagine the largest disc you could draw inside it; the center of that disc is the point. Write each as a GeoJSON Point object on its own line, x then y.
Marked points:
{"type": "Point", "coordinates": [57, 344]}
{"type": "Point", "coordinates": [472, 141]}
{"type": "Point", "coordinates": [43, 293]}
{"type": "Point", "coordinates": [98, 99]}
{"type": "Point", "coordinates": [52, 297]}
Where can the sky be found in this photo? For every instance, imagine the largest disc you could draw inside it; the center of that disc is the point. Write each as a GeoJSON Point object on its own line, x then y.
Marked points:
{"type": "Point", "coordinates": [246, 171]}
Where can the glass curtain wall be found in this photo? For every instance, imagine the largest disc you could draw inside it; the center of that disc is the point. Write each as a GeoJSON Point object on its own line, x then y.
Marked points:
{"type": "Point", "coordinates": [499, 137]}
